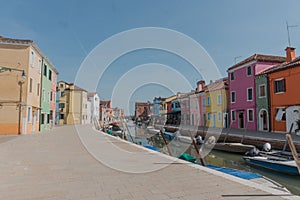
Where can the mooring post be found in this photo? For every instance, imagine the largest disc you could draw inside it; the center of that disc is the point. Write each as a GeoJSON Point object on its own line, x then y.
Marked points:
{"type": "Point", "coordinates": [293, 150]}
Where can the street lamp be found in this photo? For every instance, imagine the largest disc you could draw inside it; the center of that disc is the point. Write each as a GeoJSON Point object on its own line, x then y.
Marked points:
{"type": "Point", "coordinates": [4, 69]}
{"type": "Point", "coordinates": [20, 83]}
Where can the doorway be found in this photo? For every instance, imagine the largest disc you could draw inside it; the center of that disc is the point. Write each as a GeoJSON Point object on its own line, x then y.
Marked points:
{"type": "Point", "coordinates": [263, 120]}
{"type": "Point", "coordinates": [241, 119]}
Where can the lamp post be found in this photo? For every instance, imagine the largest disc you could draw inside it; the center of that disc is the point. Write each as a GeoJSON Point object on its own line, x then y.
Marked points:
{"type": "Point", "coordinates": [20, 83]}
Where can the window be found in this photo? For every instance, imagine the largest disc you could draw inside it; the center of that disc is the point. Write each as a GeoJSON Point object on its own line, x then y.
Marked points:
{"type": "Point", "coordinates": [43, 94]}
{"type": "Point", "coordinates": [51, 96]}
{"type": "Point", "coordinates": [29, 114]}
{"type": "Point", "coordinates": [204, 102]}
{"type": "Point", "coordinates": [249, 71]}
{"type": "Point", "coordinates": [208, 100]}
{"type": "Point", "coordinates": [231, 76]}
{"type": "Point", "coordinates": [262, 90]}
{"type": "Point", "coordinates": [279, 85]}
{"type": "Point", "coordinates": [43, 118]}
{"type": "Point", "coordinates": [219, 99]}
{"type": "Point", "coordinates": [233, 115]}
{"type": "Point", "coordinates": [61, 105]}
{"type": "Point", "coordinates": [62, 116]}
{"type": "Point", "coordinates": [48, 118]}
{"type": "Point", "coordinates": [219, 116]}
{"type": "Point", "coordinates": [37, 115]}
{"type": "Point", "coordinates": [30, 85]}
{"type": "Point", "coordinates": [280, 114]}
{"type": "Point", "coordinates": [32, 59]}
{"type": "Point", "coordinates": [232, 97]}
{"type": "Point", "coordinates": [62, 94]}
{"type": "Point", "coordinates": [250, 115]}
{"type": "Point", "coordinates": [208, 116]}
{"type": "Point", "coordinates": [61, 85]}
{"type": "Point", "coordinates": [249, 94]}
{"type": "Point", "coordinates": [45, 70]}
{"type": "Point", "coordinates": [38, 89]}
{"type": "Point", "coordinates": [50, 75]}
{"type": "Point", "coordinates": [40, 66]}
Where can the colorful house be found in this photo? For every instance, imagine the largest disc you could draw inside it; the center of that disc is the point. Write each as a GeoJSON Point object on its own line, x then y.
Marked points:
{"type": "Point", "coordinates": [262, 102]}
{"type": "Point", "coordinates": [201, 98]}
{"type": "Point", "coordinates": [284, 99]}
{"type": "Point", "coordinates": [20, 96]}
{"type": "Point", "coordinates": [73, 104]}
{"type": "Point", "coordinates": [216, 104]}
{"type": "Point", "coordinates": [242, 91]}
{"type": "Point", "coordinates": [48, 91]}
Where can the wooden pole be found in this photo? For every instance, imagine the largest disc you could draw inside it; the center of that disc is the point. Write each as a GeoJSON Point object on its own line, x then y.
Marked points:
{"type": "Point", "coordinates": [197, 150]}
{"type": "Point", "coordinates": [293, 150]}
{"type": "Point", "coordinates": [165, 140]}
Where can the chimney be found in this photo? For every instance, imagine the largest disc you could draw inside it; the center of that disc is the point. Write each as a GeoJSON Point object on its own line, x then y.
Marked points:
{"type": "Point", "coordinates": [200, 85]}
{"type": "Point", "coordinates": [290, 54]}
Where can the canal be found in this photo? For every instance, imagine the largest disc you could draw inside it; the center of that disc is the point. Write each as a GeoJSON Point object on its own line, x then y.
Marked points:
{"type": "Point", "coordinates": [217, 158]}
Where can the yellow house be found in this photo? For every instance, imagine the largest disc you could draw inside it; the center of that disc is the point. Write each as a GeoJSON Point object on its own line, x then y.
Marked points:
{"type": "Point", "coordinates": [73, 104]}
{"type": "Point", "coordinates": [20, 95]}
{"type": "Point", "coordinates": [216, 104]}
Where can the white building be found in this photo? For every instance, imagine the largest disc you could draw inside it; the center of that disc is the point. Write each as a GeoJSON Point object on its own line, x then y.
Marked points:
{"type": "Point", "coordinates": [94, 99]}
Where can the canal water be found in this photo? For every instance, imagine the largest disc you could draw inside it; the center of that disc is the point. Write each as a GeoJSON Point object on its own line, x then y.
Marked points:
{"type": "Point", "coordinates": [218, 158]}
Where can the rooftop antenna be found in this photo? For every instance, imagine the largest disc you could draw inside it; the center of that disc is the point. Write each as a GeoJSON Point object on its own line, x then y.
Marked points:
{"type": "Point", "coordinates": [288, 31]}
{"type": "Point", "coordinates": [235, 58]}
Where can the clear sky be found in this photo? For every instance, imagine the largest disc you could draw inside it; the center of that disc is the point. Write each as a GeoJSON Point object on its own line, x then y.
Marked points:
{"type": "Point", "coordinates": [66, 31]}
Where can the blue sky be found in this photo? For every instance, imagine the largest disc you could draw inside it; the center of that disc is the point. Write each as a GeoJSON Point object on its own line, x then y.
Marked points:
{"type": "Point", "coordinates": [66, 31]}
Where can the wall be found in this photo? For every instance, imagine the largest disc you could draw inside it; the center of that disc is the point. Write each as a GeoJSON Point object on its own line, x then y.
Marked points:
{"type": "Point", "coordinates": [13, 57]}
{"type": "Point", "coordinates": [288, 98]}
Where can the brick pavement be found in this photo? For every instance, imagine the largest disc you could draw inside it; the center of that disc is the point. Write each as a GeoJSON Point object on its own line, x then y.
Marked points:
{"type": "Point", "coordinates": [61, 164]}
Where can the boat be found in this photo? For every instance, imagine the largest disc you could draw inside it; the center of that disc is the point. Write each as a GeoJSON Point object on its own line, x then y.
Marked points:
{"type": "Point", "coordinates": [153, 130]}
{"type": "Point", "coordinates": [233, 147]}
{"type": "Point", "coordinates": [274, 163]}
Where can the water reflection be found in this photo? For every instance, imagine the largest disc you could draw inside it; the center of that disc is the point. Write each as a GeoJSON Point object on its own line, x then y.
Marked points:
{"type": "Point", "coordinates": [143, 137]}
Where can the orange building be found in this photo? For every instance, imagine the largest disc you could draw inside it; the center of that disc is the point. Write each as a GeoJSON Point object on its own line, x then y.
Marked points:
{"type": "Point", "coordinates": [284, 93]}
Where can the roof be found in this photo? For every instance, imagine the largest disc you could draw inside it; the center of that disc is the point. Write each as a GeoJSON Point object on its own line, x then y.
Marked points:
{"type": "Point", "coordinates": [75, 87]}
{"type": "Point", "coordinates": [26, 42]}
{"type": "Point", "coordinates": [91, 94]}
{"type": "Point", "coordinates": [259, 58]}
{"type": "Point", "coordinates": [282, 66]}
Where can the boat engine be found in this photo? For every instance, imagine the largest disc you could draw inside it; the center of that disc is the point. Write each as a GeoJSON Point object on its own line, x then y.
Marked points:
{"type": "Point", "coordinates": [253, 152]}
{"type": "Point", "coordinates": [267, 147]}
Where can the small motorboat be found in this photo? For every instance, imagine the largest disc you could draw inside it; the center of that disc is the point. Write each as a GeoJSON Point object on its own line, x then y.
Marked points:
{"type": "Point", "coordinates": [233, 147]}
{"type": "Point", "coordinates": [274, 163]}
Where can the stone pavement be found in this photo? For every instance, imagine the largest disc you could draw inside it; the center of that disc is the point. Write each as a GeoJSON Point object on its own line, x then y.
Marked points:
{"type": "Point", "coordinates": [69, 163]}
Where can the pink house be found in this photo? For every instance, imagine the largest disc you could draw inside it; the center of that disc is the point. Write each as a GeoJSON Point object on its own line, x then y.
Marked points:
{"type": "Point", "coordinates": [53, 99]}
{"type": "Point", "coordinates": [201, 96]}
{"type": "Point", "coordinates": [242, 97]}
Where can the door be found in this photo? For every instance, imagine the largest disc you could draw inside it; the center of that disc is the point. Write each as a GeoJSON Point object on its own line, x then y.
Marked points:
{"type": "Point", "coordinates": [33, 121]}
{"type": "Point", "coordinates": [214, 120]}
{"type": "Point", "coordinates": [241, 119]}
{"type": "Point", "coordinates": [263, 120]}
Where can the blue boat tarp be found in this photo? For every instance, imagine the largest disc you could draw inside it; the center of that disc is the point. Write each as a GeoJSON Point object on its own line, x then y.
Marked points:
{"type": "Point", "coordinates": [235, 172]}
{"type": "Point", "coordinates": [151, 147]}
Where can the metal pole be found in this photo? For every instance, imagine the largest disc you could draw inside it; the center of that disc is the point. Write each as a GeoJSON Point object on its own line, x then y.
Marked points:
{"type": "Point", "coordinates": [20, 106]}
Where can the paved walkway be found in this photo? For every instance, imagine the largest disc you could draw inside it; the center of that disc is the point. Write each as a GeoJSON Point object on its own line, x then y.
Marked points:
{"type": "Point", "coordinates": [56, 165]}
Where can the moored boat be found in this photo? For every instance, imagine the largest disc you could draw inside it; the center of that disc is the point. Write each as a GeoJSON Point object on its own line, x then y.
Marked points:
{"type": "Point", "coordinates": [274, 163]}
{"type": "Point", "coordinates": [233, 147]}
